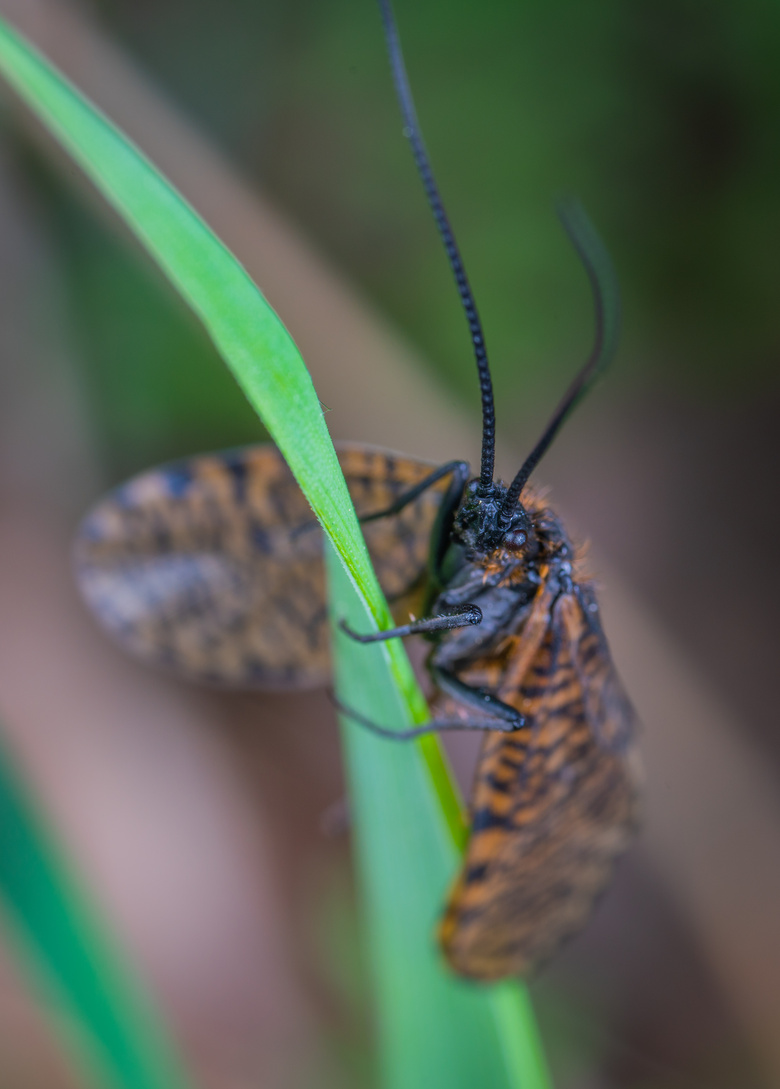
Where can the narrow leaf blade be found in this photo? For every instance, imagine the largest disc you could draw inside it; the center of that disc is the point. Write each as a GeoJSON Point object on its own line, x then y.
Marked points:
{"type": "Point", "coordinates": [437, 1030]}
{"type": "Point", "coordinates": [115, 1029]}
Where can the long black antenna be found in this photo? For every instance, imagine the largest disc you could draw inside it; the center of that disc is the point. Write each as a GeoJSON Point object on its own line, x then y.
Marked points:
{"type": "Point", "coordinates": [606, 298]}
{"type": "Point", "coordinates": [414, 135]}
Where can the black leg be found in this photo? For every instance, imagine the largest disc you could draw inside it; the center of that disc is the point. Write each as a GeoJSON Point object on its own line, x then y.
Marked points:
{"type": "Point", "coordinates": [459, 468]}
{"type": "Point", "coordinates": [460, 618]}
{"type": "Point", "coordinates": [473, 697]}
{"type": "Point", "coordinates": [434, 727]}
{"type": "Point", "coordinates": [460, 474]}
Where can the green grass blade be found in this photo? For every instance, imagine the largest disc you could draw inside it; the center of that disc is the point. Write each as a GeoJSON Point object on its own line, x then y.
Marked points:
{"type": "Point", "coordinates": [436, 1030]}
{"type": "Point", "coordinates": [106, 1018]}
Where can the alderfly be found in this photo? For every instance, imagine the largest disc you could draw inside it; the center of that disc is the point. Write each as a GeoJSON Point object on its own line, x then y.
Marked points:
{"type": "Point", "coordinates": [206, 567]}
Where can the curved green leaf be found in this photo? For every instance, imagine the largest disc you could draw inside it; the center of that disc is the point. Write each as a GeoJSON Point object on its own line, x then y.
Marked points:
{"type": "Point", "coordinates": [436, 1030]}
{"type": "Point", "coordinates": [109, 1021]}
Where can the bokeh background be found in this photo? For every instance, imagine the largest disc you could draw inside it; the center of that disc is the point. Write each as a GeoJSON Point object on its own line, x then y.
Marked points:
{"type": "Point", "coordinates": [195, 817]}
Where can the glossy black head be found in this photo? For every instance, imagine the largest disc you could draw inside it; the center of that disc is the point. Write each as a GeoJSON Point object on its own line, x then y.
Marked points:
{"type": "Point", "coordinates": [480, 526]}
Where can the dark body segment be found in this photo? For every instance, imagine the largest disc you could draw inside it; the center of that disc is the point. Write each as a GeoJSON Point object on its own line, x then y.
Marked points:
{"type": "Point", "coordinates": [212, 567]}
{"type": "Point", "coordinates": [554, 803]}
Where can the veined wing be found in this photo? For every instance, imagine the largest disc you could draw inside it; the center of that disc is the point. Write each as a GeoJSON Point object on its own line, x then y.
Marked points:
{"type": "Point", "coordinates": [554, 805]}
{"type": "Point", "coordinates": [607, 707]}
{"type": "Point", "coordinates": [212, 567]}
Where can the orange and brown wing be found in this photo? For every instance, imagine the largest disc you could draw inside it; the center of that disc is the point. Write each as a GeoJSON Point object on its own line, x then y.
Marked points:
{"type": "Point", "coordinates": [212, 567]}
{"type": "Point", "coordinates": [554, 805]}
{"type": "Point", "coordinates": [607, 707]}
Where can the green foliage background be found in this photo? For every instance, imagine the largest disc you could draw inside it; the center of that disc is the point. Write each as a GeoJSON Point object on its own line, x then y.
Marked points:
{"type": "Point", "coordinates": [661, 117]}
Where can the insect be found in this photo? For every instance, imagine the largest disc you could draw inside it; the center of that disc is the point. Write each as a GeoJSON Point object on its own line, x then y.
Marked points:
{"type": "Point", "coordinates": [209, 567]}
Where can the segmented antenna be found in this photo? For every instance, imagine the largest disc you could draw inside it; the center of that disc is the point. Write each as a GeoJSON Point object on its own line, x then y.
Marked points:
{"type": "Point", "coordinates": [414, 136]}
{"type": "Point", "coordinates": [606, 299]}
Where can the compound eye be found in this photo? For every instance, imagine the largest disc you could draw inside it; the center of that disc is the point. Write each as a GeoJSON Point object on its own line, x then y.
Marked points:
{"type": "Point", "coordinates": [515, 539]}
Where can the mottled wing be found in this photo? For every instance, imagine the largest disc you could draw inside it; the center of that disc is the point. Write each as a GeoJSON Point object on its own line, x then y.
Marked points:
{"type": "Point", "coordinates": [607, 707]}
{"type": "Point", "coordinates": [212, 567]}
{"type": "Point", "coordinates": [554, 805]}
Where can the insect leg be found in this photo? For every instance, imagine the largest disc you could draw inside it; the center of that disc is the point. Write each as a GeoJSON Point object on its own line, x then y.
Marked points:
{"type": "Point", "coordinates": [460, 618]}
{"type": "Point", "coordinates": [433, 727]}
{"type": "Point", "coordinates": [474, 697]}
{"type": "Point", "coordinates": [459, 471]}
{"type": "Point", "coordinates": [445, 516]}
{"type": "Point", "coordinates": [460, 474]}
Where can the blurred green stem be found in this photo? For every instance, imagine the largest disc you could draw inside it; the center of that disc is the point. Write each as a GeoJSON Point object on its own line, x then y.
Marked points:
{"type": "Point", "coordinates": [100, 1005]}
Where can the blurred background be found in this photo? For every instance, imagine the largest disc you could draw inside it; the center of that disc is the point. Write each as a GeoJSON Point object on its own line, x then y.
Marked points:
{"type": "Point", "coordinates": [195, 817]}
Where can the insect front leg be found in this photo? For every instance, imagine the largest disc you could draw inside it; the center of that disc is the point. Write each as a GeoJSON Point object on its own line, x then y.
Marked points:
{"type": "Point", "coordinates": [459, 470]}
{"type": "Point", "coordinates": [461, 617]}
